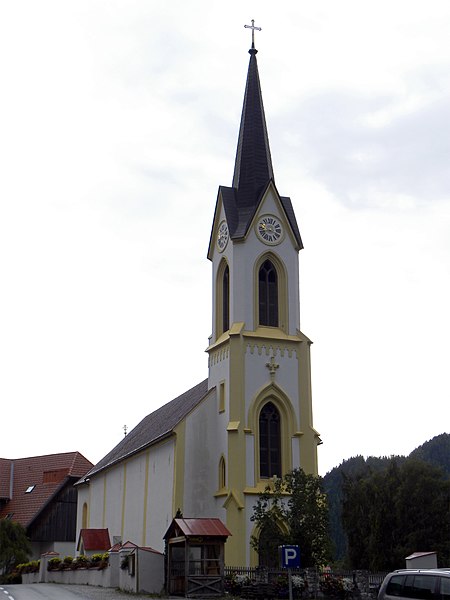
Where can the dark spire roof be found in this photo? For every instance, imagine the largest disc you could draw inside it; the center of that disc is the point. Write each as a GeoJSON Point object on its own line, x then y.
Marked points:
{"type": "Point", "coordinates": [253, 166]}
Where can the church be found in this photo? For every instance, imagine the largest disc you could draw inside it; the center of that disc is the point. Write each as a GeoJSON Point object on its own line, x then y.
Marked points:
{"type": "Point", "coordinates": [212, 450]}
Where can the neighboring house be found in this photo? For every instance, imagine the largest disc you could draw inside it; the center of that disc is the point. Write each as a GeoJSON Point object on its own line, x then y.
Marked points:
{"type": "Point", "coordinates": [38, 492]}
{"type": "Point", "coordinates": [212, 450]}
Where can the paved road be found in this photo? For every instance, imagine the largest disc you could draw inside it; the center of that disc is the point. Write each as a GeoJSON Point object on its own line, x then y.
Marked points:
{"type": "Point", "coordinates": [55, 591]}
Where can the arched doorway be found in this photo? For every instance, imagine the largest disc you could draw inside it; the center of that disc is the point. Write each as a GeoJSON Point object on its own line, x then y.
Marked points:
{"type": "Point", "coordinates": [269, 539]}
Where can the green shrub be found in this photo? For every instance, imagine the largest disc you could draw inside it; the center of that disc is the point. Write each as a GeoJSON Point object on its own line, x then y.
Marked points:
{"type": "Point", "coordinates": [68, 560]}
{"type": "Point", "coordinates": [81, 559]}
{"type": "Point", "coordinates": [54, 563]}
{"type": "Point", "coordinates": [11, 578]}
{"type": "Point", "coordinates": [95, 558]}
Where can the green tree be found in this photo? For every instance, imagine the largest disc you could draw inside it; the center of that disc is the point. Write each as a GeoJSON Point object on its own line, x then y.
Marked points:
{"type": "Point", "coordinates": [14, 545]}
{"type": "Point", "coordinates": [293, 510]}
{"type": "Point", "coordinates": [389, 514]}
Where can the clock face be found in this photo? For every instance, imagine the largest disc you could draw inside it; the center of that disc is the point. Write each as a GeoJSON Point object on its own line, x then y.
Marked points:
{"type": "Point", "coordinates": [269, 229]}
{"type": "Point", "coordinates": [222, 236]}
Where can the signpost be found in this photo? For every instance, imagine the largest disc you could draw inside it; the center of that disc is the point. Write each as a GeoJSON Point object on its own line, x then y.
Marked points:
{"type": "Point", "coordinates": [290, 559]}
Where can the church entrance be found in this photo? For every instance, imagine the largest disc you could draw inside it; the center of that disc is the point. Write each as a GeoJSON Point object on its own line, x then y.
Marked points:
{"type": "Point", "coordinates": [270, 538]}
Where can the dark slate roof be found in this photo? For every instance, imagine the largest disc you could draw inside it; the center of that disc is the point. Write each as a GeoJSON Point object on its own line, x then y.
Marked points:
{"type": "Point", "coordinates": [253, 166]}
{"type": "Point", "coordinates": [44, 476]}
{"type": "Point", "coordinates": [239, 219]}
{"type": "Point", "coordinates": [153, 427]}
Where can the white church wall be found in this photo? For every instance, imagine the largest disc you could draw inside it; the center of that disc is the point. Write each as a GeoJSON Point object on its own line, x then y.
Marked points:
{"type": "Point", "coordinates": [126, 498]}
{"type": "Point", "coordinates": [250, 460]}
{"type": "Point", "coordinates": [160, 493]}
{"type": "Point", "coordinates": [113, 480]}
{"type": "Point", "coordinates": [205, 442]}
{"type": "Point", "coordinates": [242, 294]}
{"type": "Point", "coordinates": [134, 480]}
{"type": "Point", "coordinates": [295, 445]}
{"type": "Point", "coordinates": [82, 499]}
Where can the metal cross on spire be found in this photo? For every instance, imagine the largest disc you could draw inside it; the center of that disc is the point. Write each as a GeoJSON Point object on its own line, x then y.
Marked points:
{"type": "Point", "coordinates": [253, 28]}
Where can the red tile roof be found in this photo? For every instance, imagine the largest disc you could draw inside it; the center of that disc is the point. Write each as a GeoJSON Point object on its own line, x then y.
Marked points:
{"type": "Point", "coordinates": [197, 527]}
{"type": "Point", "coordinates": [43, 476]}
{"type": "Point", "coordinates": [94, 539]}
{"type": "Point", "coordinates": [5, 478]}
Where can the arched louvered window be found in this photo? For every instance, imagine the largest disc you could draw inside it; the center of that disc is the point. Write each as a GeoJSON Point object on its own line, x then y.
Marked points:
{"type": "Point", "coordinates": [268, 294]}
{"type": "Point", "coordinates": [226, 299]}
{"type": "Point", "coordinates": [269, 441]}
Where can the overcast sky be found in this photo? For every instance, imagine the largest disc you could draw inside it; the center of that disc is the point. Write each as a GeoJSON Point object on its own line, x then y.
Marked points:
{"type": "Point", "coordinates": [118, 122]}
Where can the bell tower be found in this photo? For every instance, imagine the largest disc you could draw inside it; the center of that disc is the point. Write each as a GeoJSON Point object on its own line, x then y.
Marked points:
{"type": "Point", "coordinates": [259, 360]}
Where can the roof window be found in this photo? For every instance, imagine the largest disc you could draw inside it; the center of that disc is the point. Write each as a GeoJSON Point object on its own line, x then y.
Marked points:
{"type": "Point", "coordinates": [29, 489]}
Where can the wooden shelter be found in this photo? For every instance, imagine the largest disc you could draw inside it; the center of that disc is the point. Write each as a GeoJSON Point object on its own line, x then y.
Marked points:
{"type": "Point", "coordinates": [195, 557]}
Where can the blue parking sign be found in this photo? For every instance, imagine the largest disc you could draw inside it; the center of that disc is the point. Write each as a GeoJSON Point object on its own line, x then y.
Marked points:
{"type": "Point", "coordinates": [290, 557]}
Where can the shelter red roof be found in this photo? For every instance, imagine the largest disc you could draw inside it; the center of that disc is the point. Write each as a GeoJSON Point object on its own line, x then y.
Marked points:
{"type": "Point", "coordinates": [197, 527]}
{"type": "Point", "coordinates": [94, 539]}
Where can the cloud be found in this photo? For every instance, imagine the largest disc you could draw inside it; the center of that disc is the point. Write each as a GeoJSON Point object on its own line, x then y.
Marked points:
{"type": "Point", "coordinates": [375, 150]}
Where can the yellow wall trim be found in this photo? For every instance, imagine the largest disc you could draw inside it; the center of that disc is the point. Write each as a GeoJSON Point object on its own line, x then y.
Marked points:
{"type": "Point", "coordinates": [233, 425]}
{"type": "Point", "coordinates": [233, 497]}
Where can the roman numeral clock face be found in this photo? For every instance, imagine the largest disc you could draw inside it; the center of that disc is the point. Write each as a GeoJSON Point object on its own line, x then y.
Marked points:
{"type": "Point", "coordinates": [222, 236]}
{"type": "Point", "coordinates": [269, 229]}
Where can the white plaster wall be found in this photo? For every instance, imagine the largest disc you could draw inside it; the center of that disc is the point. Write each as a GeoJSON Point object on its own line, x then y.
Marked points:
{"type": "Point", "coordinates": [82, 497]}
{"type": "Point", "coordinates": [160, 494]}
{"type": "Point", "coordinates": [133, 507]}
{"type": "Point", "coordinates": [250, 460]}
{"type": "Point", "coordinates": [218, 371]}
{"type": "Point", "coordinates": [296, 462]}
{"type": "Point", "coordinates": [126, 514]}
{"type": "Point", "coordinates": [205, 442]}
{"type": "Point", "coordinates": [95, 501]}
{"type": "Point", "coordinates": [114, 499]}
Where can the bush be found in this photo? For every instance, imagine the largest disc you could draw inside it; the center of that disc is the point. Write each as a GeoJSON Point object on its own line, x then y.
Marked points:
{"type": "Point", "coordinates": [95, 558]}
{"type": "Point", "coordinates": [68, 560]}
{"type": "Point", "coordinates": [11, 578]}
{"type": "Point", "coordinates": [81, 561]}
{"type": "Point", "coordinates": [233, 583]}
{"type": "Point", "coordinates": [54, 564]}
{"type": "Point", "coordinates": [333, 585]}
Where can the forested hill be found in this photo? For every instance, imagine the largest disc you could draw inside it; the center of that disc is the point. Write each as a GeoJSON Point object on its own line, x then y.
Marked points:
{"type": "Point", "coordinates": [435, 452]}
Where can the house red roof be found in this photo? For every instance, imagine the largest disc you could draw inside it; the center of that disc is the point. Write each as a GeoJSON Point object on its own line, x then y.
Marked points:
{"type": "Point", "coordinates": [94, 539]}
{"type": "Point", "coordinates": [27, 485]}
{"type": "Point", "coordinates": [197, 527]}
{"type": "Point", "coordinates": [5, 478]}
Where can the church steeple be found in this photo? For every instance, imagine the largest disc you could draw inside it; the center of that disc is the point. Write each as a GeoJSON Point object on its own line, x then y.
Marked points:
{"type": "Point", "coordinates": [253, 166]}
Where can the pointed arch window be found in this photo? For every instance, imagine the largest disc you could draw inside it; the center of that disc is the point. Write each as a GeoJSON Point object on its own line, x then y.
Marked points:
{"type": "Point", "coordinates": [269, 441]}
{"type": "Point", "coordinates": [226, 299]}
{"type": "Point", "coordinates": [222, 474]}
{"type": "Point", "coordinates": [268, 294]}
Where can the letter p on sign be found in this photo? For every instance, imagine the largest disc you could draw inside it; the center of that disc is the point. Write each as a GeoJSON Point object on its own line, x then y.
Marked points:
{"type": "Point", "coordinates": [290, 557]}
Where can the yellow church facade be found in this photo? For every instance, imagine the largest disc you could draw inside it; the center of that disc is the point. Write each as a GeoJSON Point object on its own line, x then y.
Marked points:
{"type": "Point", "coordinates": [212, 450]}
